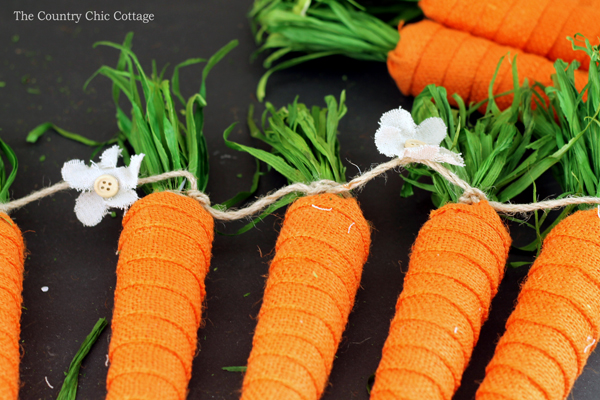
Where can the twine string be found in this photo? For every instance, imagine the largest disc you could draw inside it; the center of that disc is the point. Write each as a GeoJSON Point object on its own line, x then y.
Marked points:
{"type": "Point", "coordinates": [470, 194]}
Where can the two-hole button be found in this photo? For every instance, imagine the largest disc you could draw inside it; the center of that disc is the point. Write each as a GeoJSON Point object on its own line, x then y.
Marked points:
{"type": "Point", "coordinates": [106, 186]}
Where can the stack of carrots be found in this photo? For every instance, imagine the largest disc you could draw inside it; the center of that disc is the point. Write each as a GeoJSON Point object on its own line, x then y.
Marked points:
{"type": "Point", "coordinates": [457, 47]}
{"type": "Point", "coordinates": [461, 44]}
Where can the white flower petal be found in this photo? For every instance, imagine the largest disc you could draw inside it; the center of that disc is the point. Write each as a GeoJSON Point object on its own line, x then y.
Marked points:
{"type": "Point", "coordinates": [389, 141]}
{"type": "Point", "coordinates": [434, 153]}
{"type": "Point", "coordinates": [128, 176]}
{"type": "Point", "coordinates": [450, 157]}
{"type": "Point", "coordinates": [401, 119]}
{"type": "Point", "coordinates": [431, 131]}
{"type": "Point", "coordinates": [79, 176]}
{"type": "Point", "coordinates": [109, 157]}
{"type": "Point", "coordinates": [122, 200]}
{"type": "Point", "coordinates": [426, 152]}
{"type": "Point", "coordinates": [90, 208]}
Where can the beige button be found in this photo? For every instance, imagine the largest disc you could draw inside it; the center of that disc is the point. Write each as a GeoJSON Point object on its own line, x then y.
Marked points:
{"type": "Point", "coordinates": [413, 143]}
{"type": "Point", "coordinates": [106, 186]}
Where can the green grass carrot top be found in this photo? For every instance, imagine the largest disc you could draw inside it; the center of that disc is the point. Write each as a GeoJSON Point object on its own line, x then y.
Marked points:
{"type": "Point", "coordinates": [323, 244]}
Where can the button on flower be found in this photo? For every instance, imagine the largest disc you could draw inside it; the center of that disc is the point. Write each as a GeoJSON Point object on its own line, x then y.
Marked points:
{"type": "Point", "coordinates": [399, 136]}
{"type": "Point", "coordinates": [104, 186]}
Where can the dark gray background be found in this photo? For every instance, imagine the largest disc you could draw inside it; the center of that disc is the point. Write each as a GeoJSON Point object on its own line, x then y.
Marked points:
{"type": "Point", "coordinates": [44, 72]}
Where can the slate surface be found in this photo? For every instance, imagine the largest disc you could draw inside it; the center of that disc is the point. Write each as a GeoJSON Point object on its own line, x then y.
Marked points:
{"type": "Point", "coordinates": [44, 71]}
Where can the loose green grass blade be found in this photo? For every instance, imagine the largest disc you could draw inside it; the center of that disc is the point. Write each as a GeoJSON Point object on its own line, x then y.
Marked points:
{"type": "Point", "coordinates": [5, 182]}
{"type": "Point", "coordinates": [68, 390]}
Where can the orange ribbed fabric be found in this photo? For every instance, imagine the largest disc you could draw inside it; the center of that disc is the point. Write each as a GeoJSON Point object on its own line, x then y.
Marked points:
{"type": "Point", "coordinates": [313, 279]}
{"type": "Point", "coordinates": [555, 325]}
{"type": "Point", "coordinates": [430, 53]}
{"type": "Point", "coordinates": [535, 26]}
{"type": "Point", "coordinates": [12, 258]}
{"type": "Point", "coordinates": [456, 265]}
{"type": "Point", "coordinates": [164, 255]}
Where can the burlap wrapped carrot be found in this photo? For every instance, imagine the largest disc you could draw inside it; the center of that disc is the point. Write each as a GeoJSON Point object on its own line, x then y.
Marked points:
{"type": "Point", "coordinates": [429, 53]}
{"type": "Point", "coordinates": [456, 265]}
{"type": "Point", "coordinates": [322, 247]}
{"type": "Point", "coordinates": [537, 27]}
{"type": "Point", "coordinates": [12, 257]}
{"type": "Point", "coordinates": [164, 256]}
{"type": "Point", "coordinates": [555, 325]}
{"type": "Point", "coordinates": [313, 279]}
{"type": "Point", "coordinates": [459, 256]}
{"type": "Point", "coordinates": [165, 246]}
{"type": "Point", "coordinates": [11, 285]}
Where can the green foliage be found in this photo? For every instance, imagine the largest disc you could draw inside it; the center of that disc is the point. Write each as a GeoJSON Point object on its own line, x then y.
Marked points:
{"type": "Point", "coordinates": [502, 157]}
{"type": "Point", "coordinates": [322, 28]}
{"type": "Point", "coordinates": [570, 114]}
{"type": "Point", "coordinates": [304, 142]}
{"type": "Point", "coordinates": [153, 126]}
{"type": "Point", "coordinates": [5, 181]}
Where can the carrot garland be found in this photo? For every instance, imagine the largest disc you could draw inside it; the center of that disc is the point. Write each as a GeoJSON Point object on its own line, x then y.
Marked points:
{"type": "Point", "coordinates": [12, 258]}
{"type": "Point", "coordinates": [555, 325]}
{"type": "Point", "coordinates": [313, 279]}
{"type": "Point", "coordinates": [459, 256]}
{"type": "Point", "coordinates": [534, 26]}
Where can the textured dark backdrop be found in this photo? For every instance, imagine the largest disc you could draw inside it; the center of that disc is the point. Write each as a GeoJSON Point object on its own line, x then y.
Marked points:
{"type": "Point", "coordinates": [44, 71]}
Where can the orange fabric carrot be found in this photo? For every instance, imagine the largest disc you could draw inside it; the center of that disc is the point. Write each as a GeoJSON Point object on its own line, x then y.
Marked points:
{"type": "Point", "coordinates": [164, 255]}
{"type": "Point", "coordinates": [11, 285]}
{"type": "Point", "coordinates": [555, 325]}
{"type": "Point", "coordinates": [456, 265]}
{"type": "Point", "coordinates": [313, 279]}
{"type": "Point", "coordinates": [535, 26]}
{"type": "Point", "coordinates": [429, 53]}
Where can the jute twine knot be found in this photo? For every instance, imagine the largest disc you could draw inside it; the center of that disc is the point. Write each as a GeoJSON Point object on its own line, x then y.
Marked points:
{"type": "Point", "coordinates": [200, 197]}
{"type": "Point", "coordinates": [472, 196]}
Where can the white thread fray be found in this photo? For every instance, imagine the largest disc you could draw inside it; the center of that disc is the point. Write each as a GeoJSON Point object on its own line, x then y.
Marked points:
{"type": "Point", "coordinates": [106, 363]}
{"type": "Point", "coordinates": [593, 342]}
{"type": "Point", "coordinates": [322, 209]}
{"type": "Point", "coordinates": [455, 330]}
{"type": "Point", "coordinates": [90, 207]}
{"type": "Point", "coordinates": [45, 289]}
{"type": "Point", "coordinates": [399, 136]}
{"type": "Point", "coordinates": [48, 383]}
{"type": "Point", "coordinates": [350, 227]}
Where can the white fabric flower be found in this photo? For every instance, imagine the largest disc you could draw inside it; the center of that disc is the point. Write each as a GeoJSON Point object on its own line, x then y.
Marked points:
{"type": "Point", "coordinates": [399, 136]}
{"type": "Point", "coordinates": [90, 207]}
